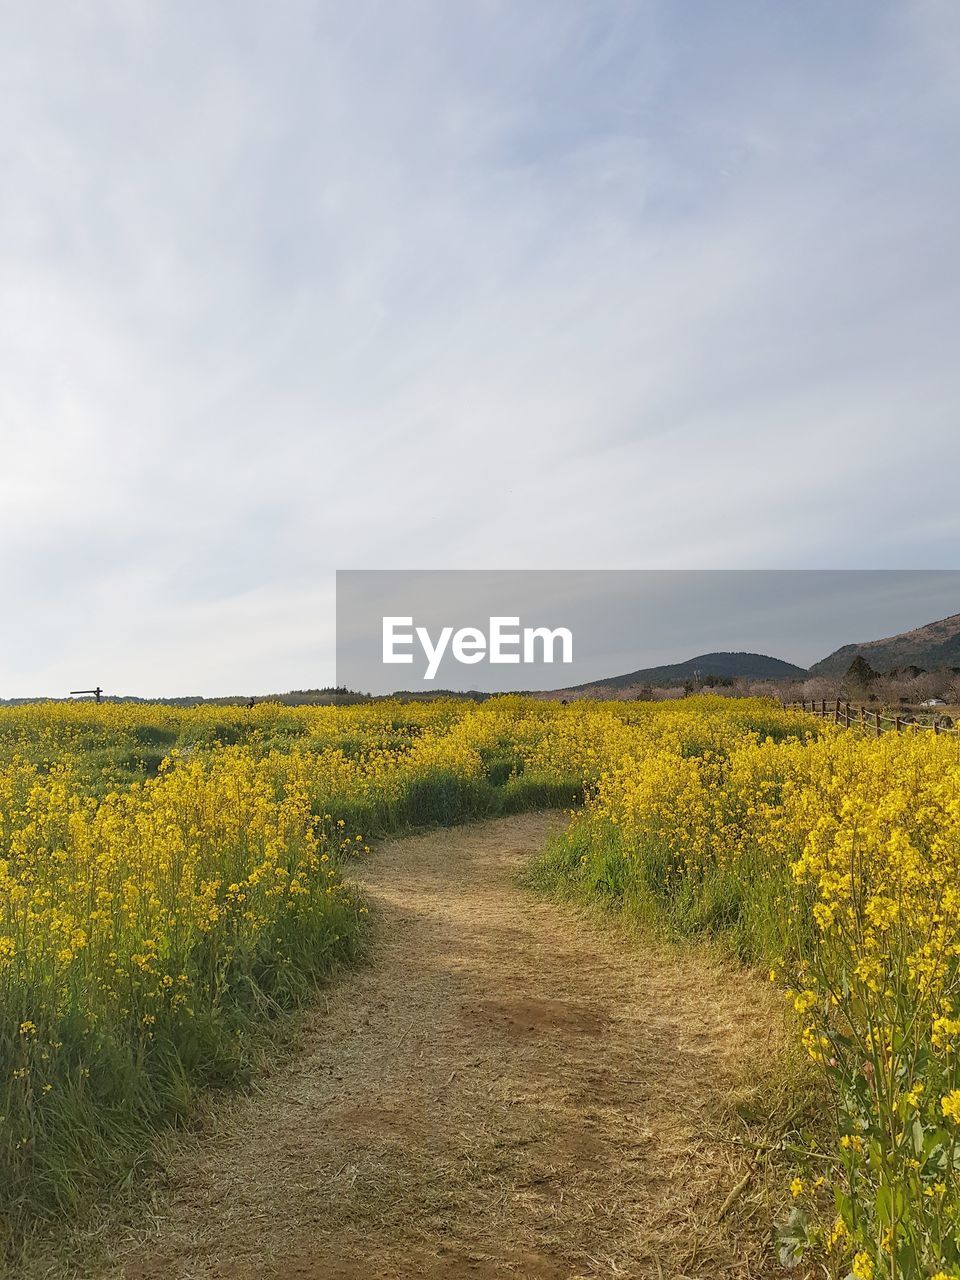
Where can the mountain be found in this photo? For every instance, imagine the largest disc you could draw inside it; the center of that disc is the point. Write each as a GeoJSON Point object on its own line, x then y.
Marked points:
{"type": "Point", "coordinates": [731, 666]}
{"type": "Point", "coordinates": [933, 646]}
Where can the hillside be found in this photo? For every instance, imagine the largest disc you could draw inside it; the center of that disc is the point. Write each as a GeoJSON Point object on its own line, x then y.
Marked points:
{"type": "Point", "coordinates": [932, 646]}
{"type": "Point", "coordinates": [732, 666]}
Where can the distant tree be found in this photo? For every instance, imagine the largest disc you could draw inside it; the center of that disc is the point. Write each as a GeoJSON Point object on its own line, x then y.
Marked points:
{"type": "Point", "coordinates": [860, 673]}
{"type": "Point", "coordinates": [820, 687]}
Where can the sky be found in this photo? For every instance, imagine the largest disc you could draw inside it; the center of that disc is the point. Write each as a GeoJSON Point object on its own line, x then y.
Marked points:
{"type": "Point", "coordinates": [286, 289]}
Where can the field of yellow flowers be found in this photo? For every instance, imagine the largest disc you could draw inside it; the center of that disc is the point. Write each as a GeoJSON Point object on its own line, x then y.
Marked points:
{"type": "Point", "coordinates": [833, 859]}
{"type": "Point", "coordinates": [170, 879]}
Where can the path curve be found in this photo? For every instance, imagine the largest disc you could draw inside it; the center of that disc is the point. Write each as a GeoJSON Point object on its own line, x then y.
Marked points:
{"type": "Point", "coordinates": [505, 1090]}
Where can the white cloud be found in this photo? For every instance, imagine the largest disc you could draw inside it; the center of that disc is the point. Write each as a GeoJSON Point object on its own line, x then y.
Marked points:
{"type": "Point", "coordinates": [551, 285]}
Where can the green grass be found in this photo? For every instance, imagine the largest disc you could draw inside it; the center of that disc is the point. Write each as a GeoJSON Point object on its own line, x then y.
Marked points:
{"type": "Point", "coordinates": [745, 911]}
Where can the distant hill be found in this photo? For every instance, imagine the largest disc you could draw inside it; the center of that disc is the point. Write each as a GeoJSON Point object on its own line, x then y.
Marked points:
{"type": "Point", "coordinates": [730, 666]}
{"type": "Point", "coordinates": [933, 646]}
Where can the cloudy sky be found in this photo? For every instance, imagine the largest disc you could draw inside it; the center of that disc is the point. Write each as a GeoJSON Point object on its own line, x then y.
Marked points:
{"type": "Point", "coordinates": [474, 284]}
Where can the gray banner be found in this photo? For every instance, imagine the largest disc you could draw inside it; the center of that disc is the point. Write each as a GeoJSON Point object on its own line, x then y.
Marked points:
{"type": "Point", "coordinates": [512, 630]}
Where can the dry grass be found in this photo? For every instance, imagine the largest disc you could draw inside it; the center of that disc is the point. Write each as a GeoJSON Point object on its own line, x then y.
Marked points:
{"type": "Point", "coordinates": [503, 1091]}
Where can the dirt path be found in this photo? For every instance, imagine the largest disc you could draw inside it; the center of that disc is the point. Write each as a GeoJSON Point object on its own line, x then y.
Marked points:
{"type": "Point", "coordinates": [504, 1091]}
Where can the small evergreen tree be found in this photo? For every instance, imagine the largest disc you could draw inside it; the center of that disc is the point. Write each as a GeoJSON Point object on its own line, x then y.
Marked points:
{"type": "Point", "coordinates": [860, 673]}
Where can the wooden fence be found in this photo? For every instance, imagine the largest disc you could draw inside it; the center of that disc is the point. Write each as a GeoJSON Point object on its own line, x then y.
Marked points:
{"type": "Point", "coordinates": [869, 719]}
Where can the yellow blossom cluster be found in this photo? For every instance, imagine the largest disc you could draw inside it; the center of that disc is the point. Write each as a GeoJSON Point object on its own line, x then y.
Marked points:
{"type": "Point", "coordinates": [834, 857]}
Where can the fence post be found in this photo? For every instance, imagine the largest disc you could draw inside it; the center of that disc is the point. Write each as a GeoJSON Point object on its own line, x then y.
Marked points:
{"type": "Point", "coordinates": [823, 708]}
{"type": "Point", "coordinates": [863, 716]}
{"type": "Point", "coordinates": [846, 714]}
{"type": "Point", "coordinates": [876, 723]}
{"type": "Point", "coordinates": [896, 723]}
{"type": "Point", "coordinates": [936, 725]}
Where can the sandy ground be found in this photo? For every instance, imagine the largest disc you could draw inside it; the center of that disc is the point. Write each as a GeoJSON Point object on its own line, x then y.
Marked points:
{"type": "Point", "coordinates": [505, 1090]}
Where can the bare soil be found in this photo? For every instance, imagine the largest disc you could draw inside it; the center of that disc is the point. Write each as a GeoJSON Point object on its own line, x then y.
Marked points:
{"type": "Point", "coordinates": [504, 1090]}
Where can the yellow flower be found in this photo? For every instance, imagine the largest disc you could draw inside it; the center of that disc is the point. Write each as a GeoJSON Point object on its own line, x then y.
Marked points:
{"type": "Point", "coordinates": [862, 1267]}
{"type": "Point", "coordinates": [839, 1231]}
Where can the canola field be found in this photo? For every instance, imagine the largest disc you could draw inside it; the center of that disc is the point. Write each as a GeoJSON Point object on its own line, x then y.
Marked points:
{"type": "Point", "coordinates": [171, 879]}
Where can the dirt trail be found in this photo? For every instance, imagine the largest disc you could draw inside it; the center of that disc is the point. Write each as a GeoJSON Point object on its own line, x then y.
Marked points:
{"type": "Point", "coordinates": [506, 1090]}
